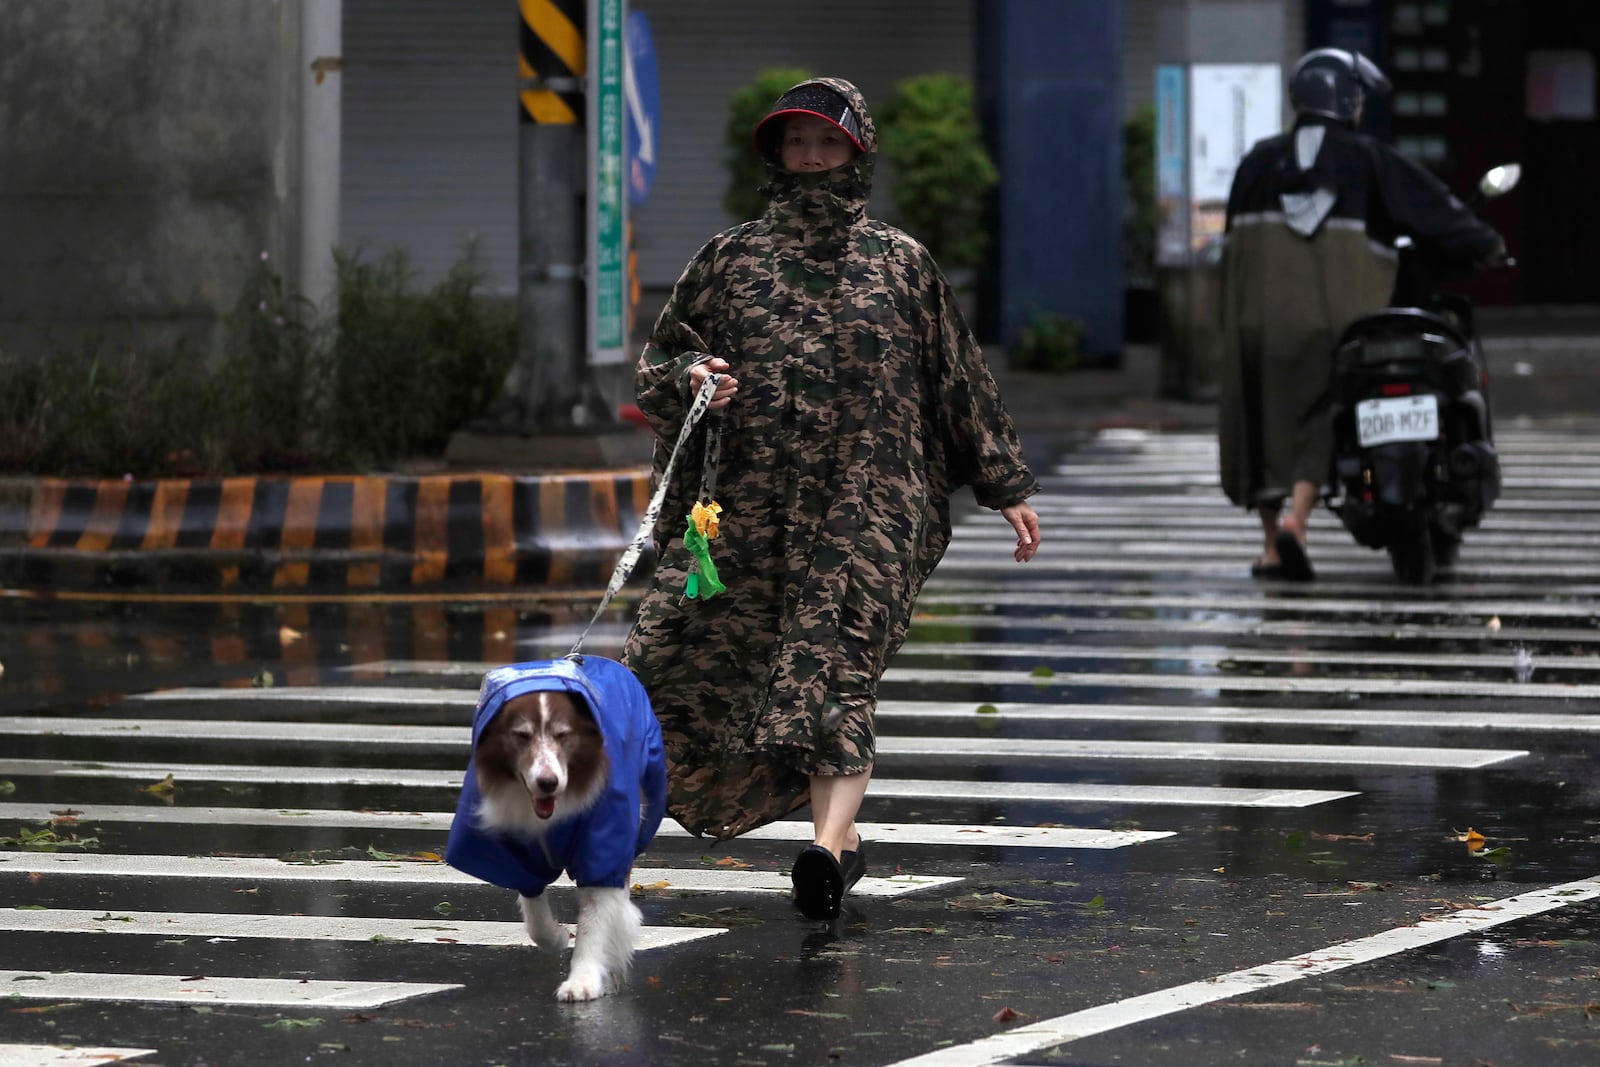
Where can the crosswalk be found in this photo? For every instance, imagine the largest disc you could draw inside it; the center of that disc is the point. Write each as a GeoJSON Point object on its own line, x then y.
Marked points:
{"type": "Point", "coordinates": [1132, 673]}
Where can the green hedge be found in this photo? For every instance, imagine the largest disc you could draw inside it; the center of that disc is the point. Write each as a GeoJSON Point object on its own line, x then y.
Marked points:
{"type": "Point", "coordinates": [393, 373]}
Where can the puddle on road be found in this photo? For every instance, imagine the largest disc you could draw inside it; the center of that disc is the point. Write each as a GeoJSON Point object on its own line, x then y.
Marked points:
{"type": "Point", "coordinates": [60, 652]}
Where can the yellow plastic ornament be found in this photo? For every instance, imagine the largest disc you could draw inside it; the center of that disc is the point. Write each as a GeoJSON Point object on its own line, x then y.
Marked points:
{"type": "Point", "coordinates": [705, 518]}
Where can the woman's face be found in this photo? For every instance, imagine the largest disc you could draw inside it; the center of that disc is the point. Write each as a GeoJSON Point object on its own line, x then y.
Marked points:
{"type": "Point", "coordinates": [811, 143]}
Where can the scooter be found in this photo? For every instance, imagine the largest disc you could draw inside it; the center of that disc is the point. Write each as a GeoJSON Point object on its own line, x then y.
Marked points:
{"type": "Point", "coordinates": [1414, 462]}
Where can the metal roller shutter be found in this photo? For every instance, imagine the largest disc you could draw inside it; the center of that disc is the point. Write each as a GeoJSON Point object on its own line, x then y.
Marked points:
{"type": "Point", "coordinates": [430, 132]}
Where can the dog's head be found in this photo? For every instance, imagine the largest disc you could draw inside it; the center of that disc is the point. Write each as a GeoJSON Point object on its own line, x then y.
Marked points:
{"type": "Point", "coordinates": [540, 759]}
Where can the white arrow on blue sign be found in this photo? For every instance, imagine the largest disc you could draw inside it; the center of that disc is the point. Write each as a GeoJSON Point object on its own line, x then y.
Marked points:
{"type": "Point", "coordinates": [643, 93]}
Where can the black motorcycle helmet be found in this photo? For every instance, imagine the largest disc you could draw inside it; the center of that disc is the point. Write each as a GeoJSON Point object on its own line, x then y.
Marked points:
{"type": "Point", "coordinates": [1333, 82]}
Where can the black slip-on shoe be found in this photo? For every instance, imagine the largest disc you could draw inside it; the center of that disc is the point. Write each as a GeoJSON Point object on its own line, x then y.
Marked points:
{"type": "Point", "coordinates": [818, 883]}
{"type": "Point", "coordinates": [853, 862]}
{"type": "Point", "coordinates": [1294, 565]}
{"type": "Point", "coordinates": [1266, 570]}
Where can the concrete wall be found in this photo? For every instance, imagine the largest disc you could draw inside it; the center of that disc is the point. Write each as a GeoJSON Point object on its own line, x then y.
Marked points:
{"type": "Point", "coordinates": [146, 166]}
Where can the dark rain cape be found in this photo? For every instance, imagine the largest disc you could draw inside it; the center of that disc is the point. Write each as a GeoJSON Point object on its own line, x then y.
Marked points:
{"type": "Point", "coordinates": [598, 847]}
{"type": "Point", "coordinates": [1312, 219]}
{"type": "Point", "coordinates": [864, 402]}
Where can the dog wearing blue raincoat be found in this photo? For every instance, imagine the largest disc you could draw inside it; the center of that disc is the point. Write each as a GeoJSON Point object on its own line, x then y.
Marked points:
{"type": "Point", "coordinates": [567, 775]}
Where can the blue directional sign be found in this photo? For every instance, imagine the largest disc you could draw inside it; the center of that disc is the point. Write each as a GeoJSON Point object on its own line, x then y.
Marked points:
{"type": "Point", "coordinates": [643, 92]}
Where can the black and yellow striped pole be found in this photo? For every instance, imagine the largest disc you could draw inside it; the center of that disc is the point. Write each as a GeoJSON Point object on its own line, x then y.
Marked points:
{"type": "Point", "coordinates": [551, 384]}
{"type": "Point", "coordinates": [551, 61]}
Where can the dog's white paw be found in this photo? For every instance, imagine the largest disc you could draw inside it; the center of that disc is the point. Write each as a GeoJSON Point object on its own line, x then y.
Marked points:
{"type": "Point", "coordinates": [585, 983]}
{"type": "Point", "coordinates": [547, 934]}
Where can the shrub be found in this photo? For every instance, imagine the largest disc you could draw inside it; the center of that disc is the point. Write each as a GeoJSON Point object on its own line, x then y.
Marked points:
{"type": "Point", "coordinates": [92, 411]}
{"type": "Point", "coordinates": [943, 174]}
{"type": "Point", "coordinates": [403, 370]}
{"type": "Point", "coordinates": [428, 361]}
{"type": "Point", "coordinates": [1049, 342]}
{"type": "Point", "coordinates": [746, 171]}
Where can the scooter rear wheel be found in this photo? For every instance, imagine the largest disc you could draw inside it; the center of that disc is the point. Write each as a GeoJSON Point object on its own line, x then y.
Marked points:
{"type": "Point", "coordinates": [1411, 553]}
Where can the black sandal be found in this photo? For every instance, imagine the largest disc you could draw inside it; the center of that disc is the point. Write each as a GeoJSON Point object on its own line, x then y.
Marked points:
{"type": "Point", "coordinates": [819, 883]}
{"type": "Point", "coordinates": [1296, 565]}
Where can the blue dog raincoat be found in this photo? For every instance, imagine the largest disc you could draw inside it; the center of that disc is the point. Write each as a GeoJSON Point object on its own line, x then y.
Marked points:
{"type": "Point", "coordinates": [597, 847]}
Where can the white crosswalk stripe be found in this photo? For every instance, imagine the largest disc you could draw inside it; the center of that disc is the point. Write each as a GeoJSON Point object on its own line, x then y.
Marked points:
{"type": "Point", "coordinates": [207, 989]}
{"type": "Point", "coordinates": [1103, 680]}
{"type": "Point", "coordinates": [19, 1055]}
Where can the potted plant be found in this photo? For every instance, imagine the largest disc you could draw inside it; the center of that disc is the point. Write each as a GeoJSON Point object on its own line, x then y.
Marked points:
{"type": "Point", "coordinates": [943, 174]}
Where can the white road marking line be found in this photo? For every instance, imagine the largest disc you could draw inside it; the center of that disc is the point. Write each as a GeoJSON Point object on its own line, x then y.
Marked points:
{"type": "Point", "coordinates": [1207, 500]}
{"type": "Point", "coordinates": [1202, 656]}
{"type": "Point", "coordinates": [1261, 628]}
{"type": "Point", "coordinates": [1192, 796]}
{"type": "Point", "coordinates": [373, 735]}
{"type": "Point", "coordinates": [1052, 594]}
{"type": "Point", "coordinates": [421, 873]}
{"type": "Point", "coordinates": [1369, 756]}
{"type": "Point", "coordinates": [328, 733]}
{"type": "Point", "coordinates": [439, 822]}
{"type": "Point", "coordinates": [1175, 751]}
{"type": "Point", "coordinates": [179, 989]}
{"type": "Point", "coordinates": [1197, 537]}
{"type": "Point", "coordinates": [1433, 687]}
{"type": "Point", "coordinates": [1468, 569]}
{"type": "Point", "coordinates": [1309, 718]}
{"type": "Point", "coordinates": [305, 927]}
{"type": "Point", "coordinates": [68, 1055]}
{"type": "Point", "coordinates": [333, 695]}
{"type": "Point", "coordinates": [1063, 1029]}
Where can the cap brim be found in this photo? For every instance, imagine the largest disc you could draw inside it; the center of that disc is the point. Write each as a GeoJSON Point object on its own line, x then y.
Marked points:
{"type": "Point", "coordinates": [763, 127]}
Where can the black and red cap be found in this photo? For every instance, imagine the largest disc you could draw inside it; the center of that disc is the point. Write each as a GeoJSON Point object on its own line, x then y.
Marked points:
{"type": "Point", "coordinates": [809, 99]}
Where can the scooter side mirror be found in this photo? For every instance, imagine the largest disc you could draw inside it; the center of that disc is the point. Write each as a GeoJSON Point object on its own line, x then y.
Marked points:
{"type": "Point", "coordinates": [1499, 180]}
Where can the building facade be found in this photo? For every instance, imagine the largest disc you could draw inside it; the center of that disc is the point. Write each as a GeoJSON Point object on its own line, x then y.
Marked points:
{"type": "Point", "coordinates": [228, 128]}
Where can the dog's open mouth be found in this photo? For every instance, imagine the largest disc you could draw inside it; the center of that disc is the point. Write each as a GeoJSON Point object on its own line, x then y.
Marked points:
{"type": "Point", "coordinates": [544, 807]}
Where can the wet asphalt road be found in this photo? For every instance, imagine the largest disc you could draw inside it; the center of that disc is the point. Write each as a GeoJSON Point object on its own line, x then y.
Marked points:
{"type": "Point", "coordinates": [1132, 808]}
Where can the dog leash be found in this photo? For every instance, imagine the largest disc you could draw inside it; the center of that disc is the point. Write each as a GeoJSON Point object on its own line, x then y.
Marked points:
{"type": "Point", "coordinates": [645, 533]}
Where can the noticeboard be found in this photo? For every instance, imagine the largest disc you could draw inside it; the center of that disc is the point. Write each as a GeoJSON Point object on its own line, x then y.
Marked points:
{"type": "Point", "coordinates": [1208, 115]}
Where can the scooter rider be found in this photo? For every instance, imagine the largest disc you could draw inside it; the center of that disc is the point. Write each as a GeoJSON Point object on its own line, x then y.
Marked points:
{"type": "Point", "coordinates": [1313, 215]}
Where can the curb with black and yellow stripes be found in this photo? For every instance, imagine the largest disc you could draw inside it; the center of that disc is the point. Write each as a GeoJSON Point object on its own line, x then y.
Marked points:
{"type": "Point", "coordinates": [325, 534]}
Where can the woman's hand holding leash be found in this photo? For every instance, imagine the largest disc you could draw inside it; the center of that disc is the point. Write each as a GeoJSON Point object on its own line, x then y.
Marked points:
{"type": "Point", "coordinates": [726, 388]}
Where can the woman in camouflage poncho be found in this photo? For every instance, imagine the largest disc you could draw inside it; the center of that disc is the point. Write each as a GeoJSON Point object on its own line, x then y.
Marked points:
{"type": "Point", "coordinates": [854, 400]}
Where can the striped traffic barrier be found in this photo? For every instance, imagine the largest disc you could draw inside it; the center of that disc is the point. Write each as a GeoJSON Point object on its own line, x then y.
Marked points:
{"type": "Point", "coordinates": [548, 531]}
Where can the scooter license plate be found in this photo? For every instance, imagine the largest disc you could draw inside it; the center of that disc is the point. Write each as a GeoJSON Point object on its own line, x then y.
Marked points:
{"type": "Point", "coordinates": [1397, 418]}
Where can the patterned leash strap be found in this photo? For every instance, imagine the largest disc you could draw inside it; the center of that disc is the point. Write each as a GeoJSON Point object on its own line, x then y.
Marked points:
{"type": "Point", "coordinates": [708, 473]}
{"type": "Point", "coordinates": [642, 537]}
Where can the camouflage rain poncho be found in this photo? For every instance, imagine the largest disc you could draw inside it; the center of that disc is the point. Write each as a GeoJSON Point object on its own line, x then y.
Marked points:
{"type": "Point", "coordinates": [863, 402]}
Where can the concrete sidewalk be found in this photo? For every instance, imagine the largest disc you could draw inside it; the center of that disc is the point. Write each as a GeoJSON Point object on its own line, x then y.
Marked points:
{"type": "Point", "coordinates": [540, 533]}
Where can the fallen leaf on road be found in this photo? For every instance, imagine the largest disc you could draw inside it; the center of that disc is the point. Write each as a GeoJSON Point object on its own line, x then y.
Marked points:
{"type": "Point", "coordinates": [729, 861]}
{"type": "Point", "coordinates": [1005, 1015]}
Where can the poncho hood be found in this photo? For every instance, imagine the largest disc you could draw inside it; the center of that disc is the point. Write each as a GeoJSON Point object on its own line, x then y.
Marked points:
{"type": "Point", "coordinates": [829, 199]}
{"type": "Point", "coordinates": [597, 847]}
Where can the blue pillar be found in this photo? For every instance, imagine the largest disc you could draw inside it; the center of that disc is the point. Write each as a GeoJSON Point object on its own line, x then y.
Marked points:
{"type": "Point", "coordinates": [1050, 82]}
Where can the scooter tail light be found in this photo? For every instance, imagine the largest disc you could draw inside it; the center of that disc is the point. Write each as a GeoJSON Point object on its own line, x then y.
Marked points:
{"type": "Point", "coordinates": [1396, 388]}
